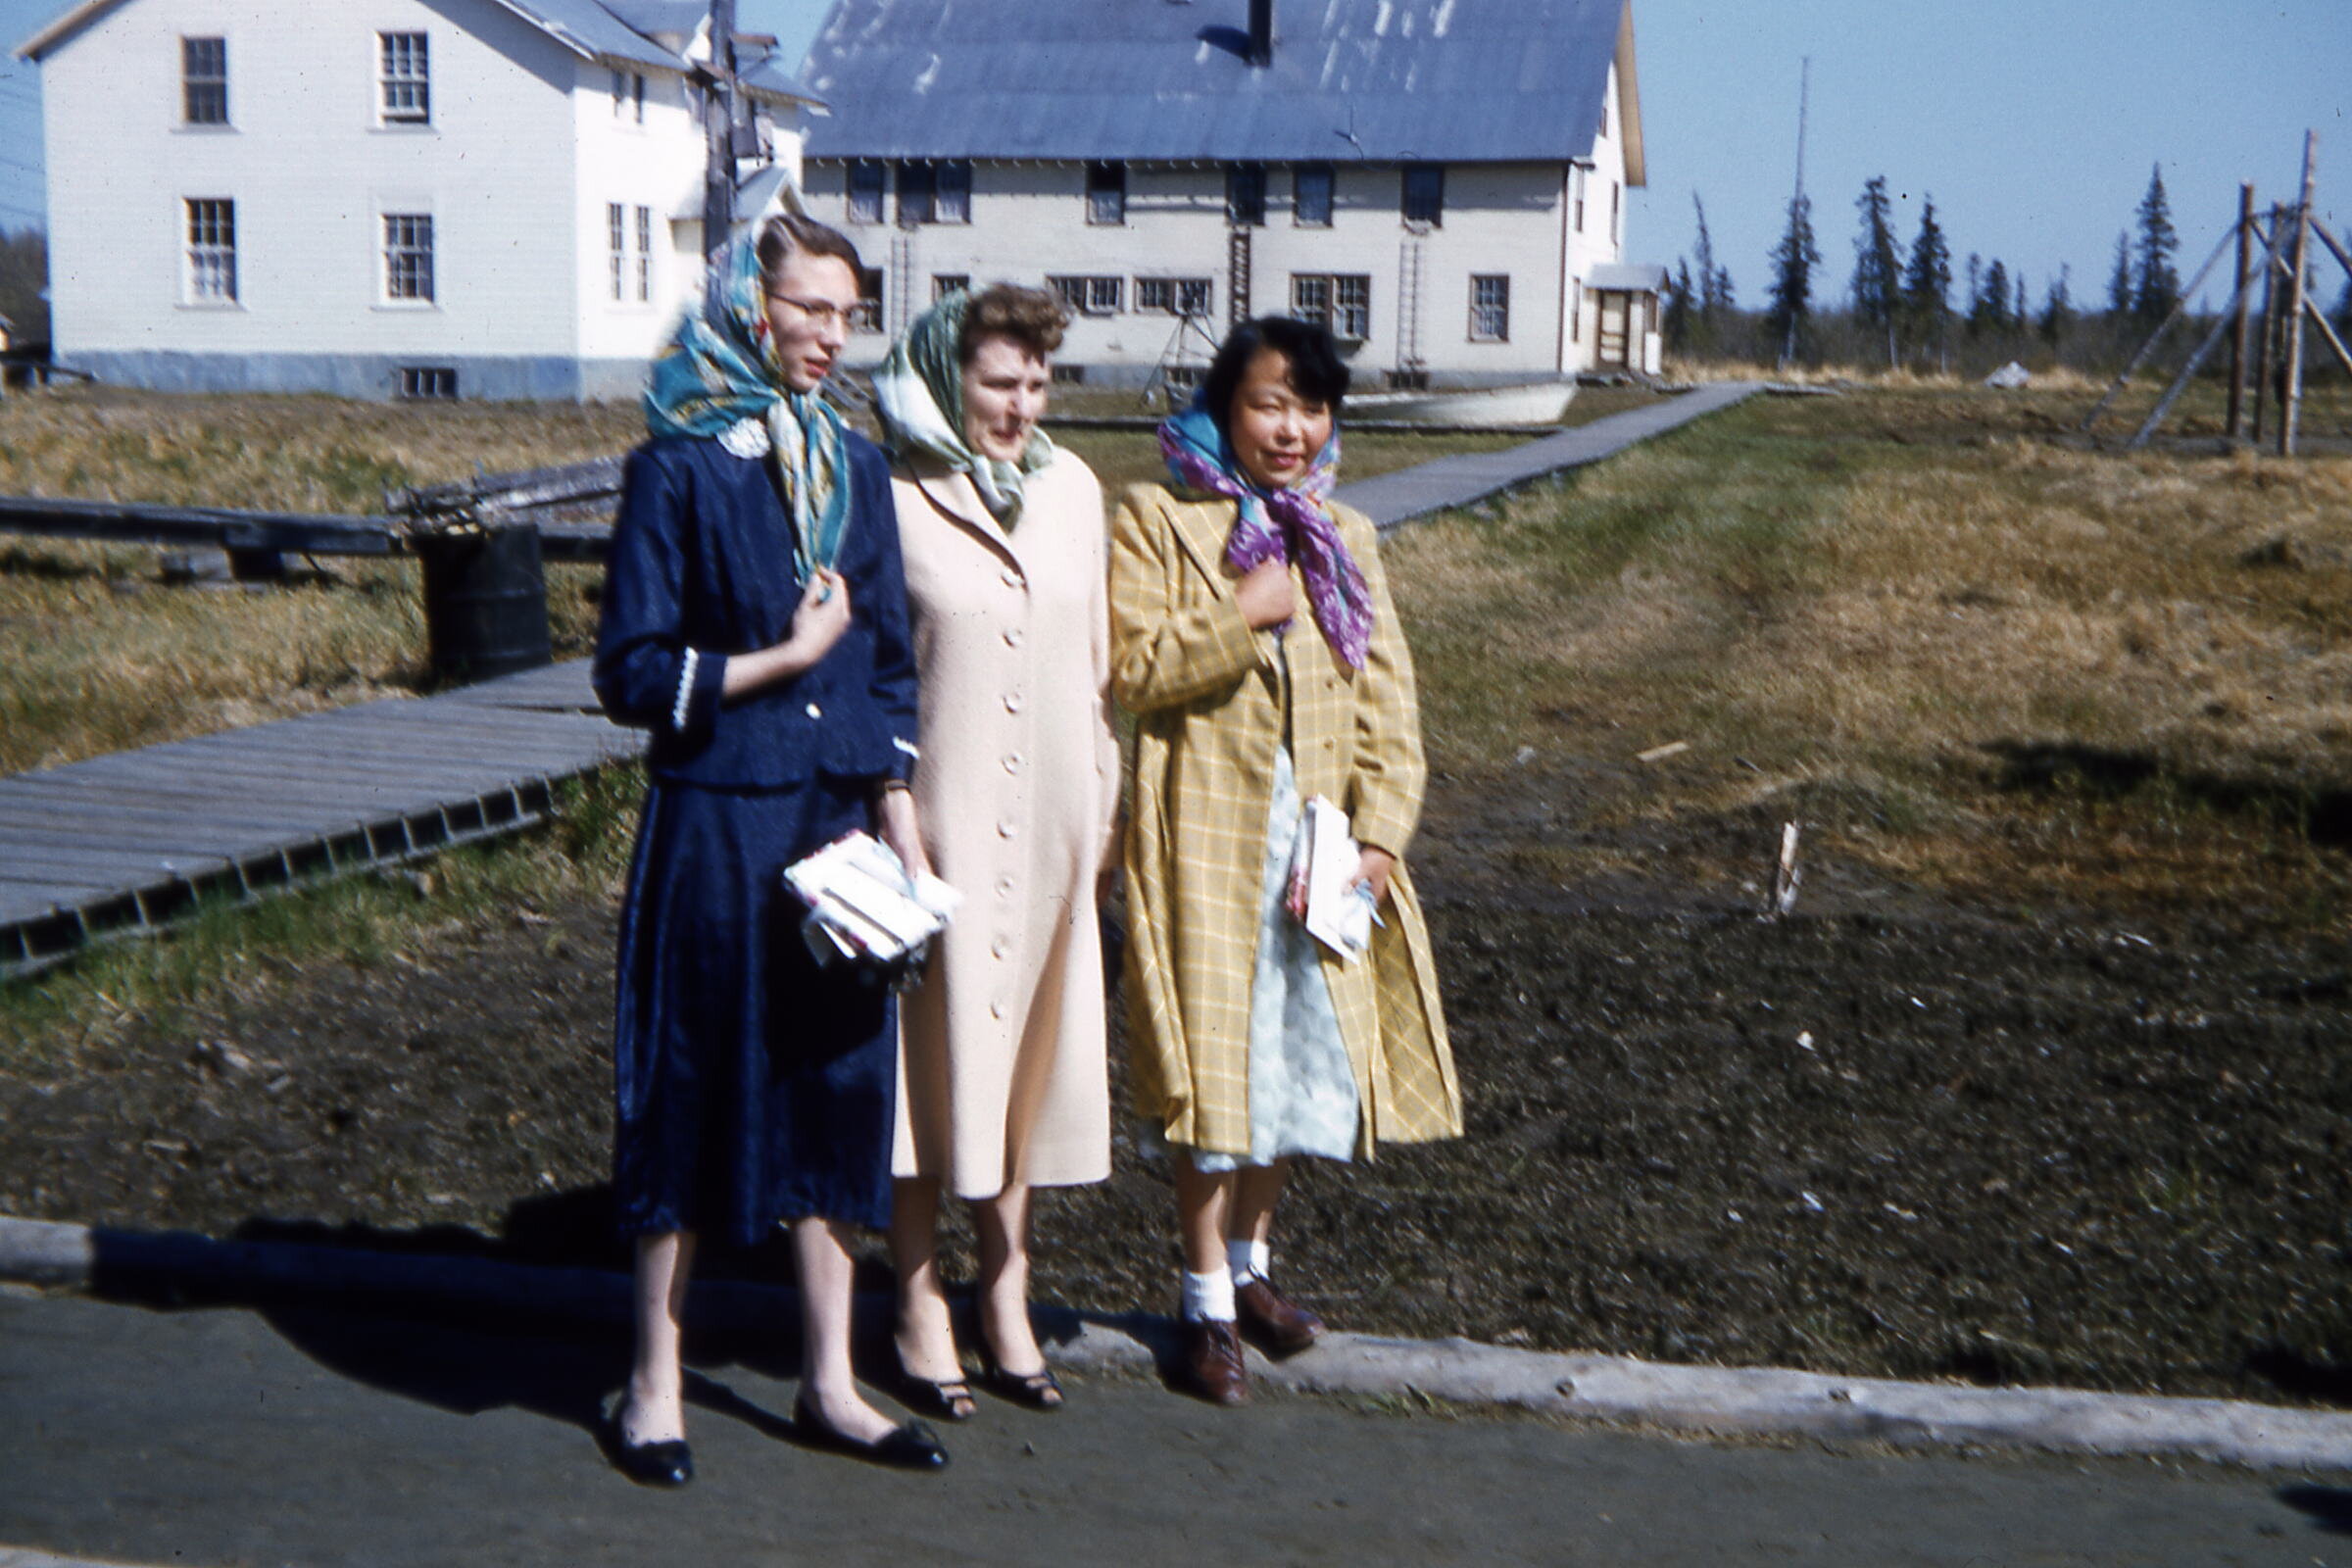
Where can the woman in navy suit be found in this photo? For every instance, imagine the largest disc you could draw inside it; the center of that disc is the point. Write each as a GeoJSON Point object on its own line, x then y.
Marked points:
{"type": "Point", "coordinates": [755, 620]}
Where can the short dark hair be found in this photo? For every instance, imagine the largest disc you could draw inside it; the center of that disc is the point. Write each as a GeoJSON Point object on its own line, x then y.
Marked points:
{"type": "Point", "coordinates": [1030, 316]}
{"type": "Point", "coordinates": [789, 234]}
{"type": "Point", "coordinates": [1316, 370]}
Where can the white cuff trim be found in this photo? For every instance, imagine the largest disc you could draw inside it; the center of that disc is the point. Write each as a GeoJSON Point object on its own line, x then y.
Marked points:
{"type": "Point", "coordinates": [908, 747]}
{"type": "Point", "coordinates": [677, 709]}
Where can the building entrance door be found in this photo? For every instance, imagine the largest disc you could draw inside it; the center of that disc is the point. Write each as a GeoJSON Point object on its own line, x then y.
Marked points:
{"type": "Point", "coordinates": [1616, 310]}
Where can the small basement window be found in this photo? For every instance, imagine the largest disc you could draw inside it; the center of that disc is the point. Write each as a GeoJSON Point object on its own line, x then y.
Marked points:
{"type": "Point", "coordinates": [425, 383]}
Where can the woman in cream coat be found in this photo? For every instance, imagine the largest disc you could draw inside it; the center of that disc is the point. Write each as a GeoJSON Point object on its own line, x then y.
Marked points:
{"type": "Point", "coordinates": [1004, 1086]}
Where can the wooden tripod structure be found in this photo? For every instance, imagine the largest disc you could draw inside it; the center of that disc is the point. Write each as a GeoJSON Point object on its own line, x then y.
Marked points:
{"type": "Point", "coordinates": [2275, 359]}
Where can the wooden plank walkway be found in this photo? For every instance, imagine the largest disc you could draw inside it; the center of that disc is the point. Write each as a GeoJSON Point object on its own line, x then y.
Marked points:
{"type": "Point", "coordinates": [124, 844]}
{"type": "Point", "coordinates": [1395, 499]}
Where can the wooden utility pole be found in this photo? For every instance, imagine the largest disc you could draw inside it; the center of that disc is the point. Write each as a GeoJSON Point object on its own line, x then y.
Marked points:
{"type": "Point", "coordinates": [2237, 335]}
{"type": "Point", "coordinates": [2292, 403]}
{"type": "Point", "coordinates": [718, 132]}
{"type": "Point", "coordinates": [2265, 349]}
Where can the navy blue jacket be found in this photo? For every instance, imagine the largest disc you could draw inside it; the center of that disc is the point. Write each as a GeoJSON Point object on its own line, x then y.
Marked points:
{"type": "Point", "coordinates": [702, 566]}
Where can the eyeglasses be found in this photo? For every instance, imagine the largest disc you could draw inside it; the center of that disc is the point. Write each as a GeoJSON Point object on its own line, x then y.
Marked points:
{"type": "Point", "coordinates": [824, 312]}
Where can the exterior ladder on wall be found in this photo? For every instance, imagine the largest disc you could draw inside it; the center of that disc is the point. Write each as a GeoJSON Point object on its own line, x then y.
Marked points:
{"type": "Point", "coordinates": [1236, 267]}
{"type": "Point", "coordinates": [906, 307]}
{"type": "Point", "coordinates": [1412, 264]}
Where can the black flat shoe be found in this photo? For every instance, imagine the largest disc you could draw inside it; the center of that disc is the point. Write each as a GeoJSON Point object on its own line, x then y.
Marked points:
{"type": "Point", "coordinates": [947, 1399]}
{"type": "Point", "coordinates": [1033, 1391]}
{"type": "Point", "coordinates": [667, 1463]}
{"type": "Point", "coordinates": [911, 1446]}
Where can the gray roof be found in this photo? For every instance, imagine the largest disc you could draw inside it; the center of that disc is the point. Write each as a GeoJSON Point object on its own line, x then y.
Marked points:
{"type": "Point", "coordinates": [1452, 80]}
{"type": "Point", "coordinates": [1638, 278]}
{"type": "Point", "coordinates": [592, 30]}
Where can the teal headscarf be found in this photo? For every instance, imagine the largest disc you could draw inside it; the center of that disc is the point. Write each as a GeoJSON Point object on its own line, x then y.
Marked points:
{"type": "Point", "coordinates": [720, 373]}
{"type": "Point", "coordinates": [919, 393]}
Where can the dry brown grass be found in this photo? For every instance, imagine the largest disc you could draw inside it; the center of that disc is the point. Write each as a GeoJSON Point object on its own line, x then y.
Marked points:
{"type": "Point", "coordinates": [100, 655]}
{"type": "Point", "coordinates": [1900, 625]}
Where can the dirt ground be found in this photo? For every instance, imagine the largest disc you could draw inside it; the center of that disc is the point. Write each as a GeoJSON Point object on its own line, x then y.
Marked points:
{"type": "Point", "coordinates": [1886, 1134]}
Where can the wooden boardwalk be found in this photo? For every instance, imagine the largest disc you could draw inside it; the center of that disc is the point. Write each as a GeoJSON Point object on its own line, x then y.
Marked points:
{"type": "Point", "coordinates": [124, 844]}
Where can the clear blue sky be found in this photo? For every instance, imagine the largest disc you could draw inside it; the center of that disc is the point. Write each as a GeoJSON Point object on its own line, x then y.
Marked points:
{"type": "Point", "coordinates": [2033, 122]}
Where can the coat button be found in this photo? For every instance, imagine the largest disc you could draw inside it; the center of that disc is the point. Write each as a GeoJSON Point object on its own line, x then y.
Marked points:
{"type": "Point", "coordinates": [996, 1009]}
{"type": "Point", "coordinates": [1013, 636]}
{"type": "Point", "coordinates": [999, 948]}
{"type": "Point", "coordinates": [1003, 886]}
{"type": "Point", "coordinates": [1006, 827]}
{"type": "Point", "coordinates": [1013, 762]}
{"type": "Point", "coordinates": [1012, 578]}
{"type": "Point", "coordinates": [1012, 702]}
{"type": "Point", "coordinates": [813, 712]}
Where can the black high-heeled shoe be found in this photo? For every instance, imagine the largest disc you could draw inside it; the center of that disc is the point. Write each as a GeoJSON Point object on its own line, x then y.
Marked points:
{"type": "Point", "coordinates": [669, 1462]}
{"type": "Point", "coordinates": [1032, 1391]}
{"type": "Point", "coordinates": [909, 1445]}
{"type": "Point", "coordinates": [945, 1399]}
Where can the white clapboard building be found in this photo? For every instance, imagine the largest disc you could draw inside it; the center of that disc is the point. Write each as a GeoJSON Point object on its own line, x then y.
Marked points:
{"type": "Point", "coordinates": [1441, 181]}
{"type": "Point", "coordinates": [421, 198]}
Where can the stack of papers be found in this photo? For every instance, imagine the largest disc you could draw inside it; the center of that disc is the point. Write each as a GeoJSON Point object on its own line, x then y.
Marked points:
{"type": "Point", "coordinates": [1323, 893]}
{"type": "Point", "coordinates": [862, 904]}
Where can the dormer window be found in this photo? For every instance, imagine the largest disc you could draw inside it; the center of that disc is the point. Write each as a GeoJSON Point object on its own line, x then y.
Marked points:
{"type": "Point", "coordinates": [204, 81]}
{"type": "Point", "coordinates": [1425, 194]}
{"type": "Point", "coordinates": [628, 96]}
{"type": "Point", "coordinates": [406, 80]}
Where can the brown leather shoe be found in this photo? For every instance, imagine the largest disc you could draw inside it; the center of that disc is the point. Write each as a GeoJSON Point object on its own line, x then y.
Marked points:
{"type": "Point", "coordinates": [1212, 1361]}
{"type": "Point", "coordinates": [1274, 1323]}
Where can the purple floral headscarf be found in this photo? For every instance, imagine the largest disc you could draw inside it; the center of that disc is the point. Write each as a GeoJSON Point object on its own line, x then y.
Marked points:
{"type": "Point", "coordinates": [1273, 523]}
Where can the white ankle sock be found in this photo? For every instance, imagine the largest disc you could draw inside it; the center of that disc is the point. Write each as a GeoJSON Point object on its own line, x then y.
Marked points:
{"type": "Point", "coordinates": [1247, 1260]}
{"type": "Point", "coordinates": [1208, 1295]}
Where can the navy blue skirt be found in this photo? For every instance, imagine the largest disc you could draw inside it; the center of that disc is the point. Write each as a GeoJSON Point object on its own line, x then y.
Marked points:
{"type": "Point", "coordinates": [750, 1086]}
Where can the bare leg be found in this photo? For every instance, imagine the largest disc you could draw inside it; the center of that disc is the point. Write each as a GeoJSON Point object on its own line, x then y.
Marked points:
{"type": "Point", "coordinates": [1003, 1222]}
{"type": "Point", "coordinates": [1256, 1188]}
{"type": "Point", "coordinates": [827, 1384]}
{"type": "Point", "coordinates": [654, 1410]}
{"type": "Point", "coordinates": [1204, 1203]}
{"type": "Point", "coordinates": [926, 1330]}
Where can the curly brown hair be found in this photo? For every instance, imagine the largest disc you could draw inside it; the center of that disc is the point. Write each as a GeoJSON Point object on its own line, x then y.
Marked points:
{"type": "Point", "coordinates": [1030, 316]}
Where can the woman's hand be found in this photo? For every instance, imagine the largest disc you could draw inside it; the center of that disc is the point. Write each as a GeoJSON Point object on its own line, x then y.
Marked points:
{"type": "Point", "coordinates": [817, 623]}
{"type": "Point", "coordinates": [1264, 595]}
{"type": "Point", "coordinates": [896, 820]}
{"type": "Point", "coordinates": [1372, 870]}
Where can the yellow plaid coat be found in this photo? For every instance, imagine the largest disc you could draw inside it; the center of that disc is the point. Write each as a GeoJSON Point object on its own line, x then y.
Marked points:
{"type": "Point", "coordinates": [1208, 696]}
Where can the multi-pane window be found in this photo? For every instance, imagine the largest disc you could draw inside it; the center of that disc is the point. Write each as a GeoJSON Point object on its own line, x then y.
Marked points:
{"type": "Point", "coordinates": [425, 382]}
{"type": "Point", "coordinates": [1576, 193]}
{"type": "Point", "coordinates": [867, 314]}
{"type": "Point", "coordinates": [408, 90]}
{"type": "Point", "coordinates": [944, 284]}
{"type": "Point", "coordinates": [1107, 193]}
{"type": "Point", "coordinates": [1339, 301]}
{"type": "Point", "coordinates": [204, 81]}
{"type": "Point", "coordinates": [931, 193]}
{"type": "Point", "coordinates": [628, 96]}
{"type": "Point", "coordinates": [1088, 295]}
{"type": "Point", "coordinates": [1424, 193]}
{"type": "Point", "coordinates": [1490, 307]}
{"type": "Point", "coordinates": [409, 257]}
{"type": "Point", "coordinates": [868, 181]}
{"type": "Point", "coordinates": [1246, 195]}
{"type": "Point", "coordinates": [630, 270]}
{"type": "Point", "coordinates": [212, 251]}
{"type": "Point", "coordinates": [1310, 195]}
{"type": "Point", "coordinates": [1172, 296]}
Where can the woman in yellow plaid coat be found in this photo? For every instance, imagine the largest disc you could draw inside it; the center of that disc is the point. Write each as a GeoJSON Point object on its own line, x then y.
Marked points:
{"type": "Point", "coordinates": [1253, 641]}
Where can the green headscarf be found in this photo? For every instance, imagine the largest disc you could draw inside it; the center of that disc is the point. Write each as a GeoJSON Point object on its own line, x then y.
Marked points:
{"type": "Point", "coordinates": [919, 393]}
{"type": "Point", "coordinates": [720, 373]}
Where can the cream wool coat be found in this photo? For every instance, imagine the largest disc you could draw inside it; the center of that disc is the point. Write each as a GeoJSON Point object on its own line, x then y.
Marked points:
{"type": "Point", "coordinates": [1002, 1078]}
{"type": "Point", "coordinates": [1208, 694]}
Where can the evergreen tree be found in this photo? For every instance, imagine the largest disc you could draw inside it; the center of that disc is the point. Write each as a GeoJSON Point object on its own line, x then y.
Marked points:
{"type": "Point", "coordinates": [2119, 282]}
{"type": "Point", "coordinates": [1726, 299]}
{"type": "Point", "coordinates": [1676, 325]}
{"type": "Point", "coordinates": [1792, 262]}
{"type": "Point", "coordinates": [2018, 315]}
{"type": "Point", "coordinates": [1711, 281]}
{"type": "Point", "coordinates": [1973, 292]}
{"type": "Point", "coordinates": [1878, 271]}
{"type": "Point", "coordinates": [1997, 296]}
{"type": "Point", "coordinates": [1928, 282]}
{"type": "Point", "coordinates": [2058, 309]}
{"type": "Point", "coordinates": [2155, 284]}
